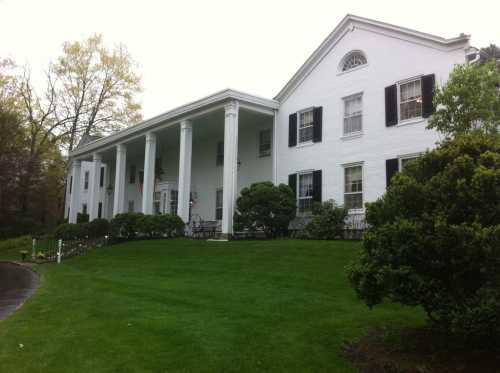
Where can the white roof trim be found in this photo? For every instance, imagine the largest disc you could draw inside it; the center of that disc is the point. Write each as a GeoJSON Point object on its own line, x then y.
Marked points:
{"type": "Point", "coordinates": [186, 111]}
{"type": "Point", "coordinates": [348, 23]}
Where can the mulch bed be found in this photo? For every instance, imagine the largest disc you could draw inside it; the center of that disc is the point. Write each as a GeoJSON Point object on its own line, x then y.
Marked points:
{"type": "Point", "coordinates": [423, 350]}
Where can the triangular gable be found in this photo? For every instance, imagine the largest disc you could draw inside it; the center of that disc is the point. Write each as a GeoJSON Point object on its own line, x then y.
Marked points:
{"type": "Point", "coordinates": [349, 23]}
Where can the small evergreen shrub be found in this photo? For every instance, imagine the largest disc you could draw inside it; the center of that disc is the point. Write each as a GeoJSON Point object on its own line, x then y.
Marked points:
{"type": "Point", "coordinates": [264, 206]}
{"type": "Point", "coordinates": [68, 231]}
{"type": "Point", "coordinates": [98, 228]}
{"type": "Point", "coordinates": [327, 222]}
{"type": "Point", "coordinates": [126, 224]}
{"type": "Point", "coordinates": [82, 218]}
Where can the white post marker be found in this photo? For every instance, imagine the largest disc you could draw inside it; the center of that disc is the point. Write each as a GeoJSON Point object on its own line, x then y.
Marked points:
{"type": "Point", "coordinates": [59, 251]}
{"type": "Point", "coordinates": [33, 249]}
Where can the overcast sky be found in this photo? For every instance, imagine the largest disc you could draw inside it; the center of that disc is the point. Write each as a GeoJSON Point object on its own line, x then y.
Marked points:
{"type": "Point", "coordinates": [188, 49]}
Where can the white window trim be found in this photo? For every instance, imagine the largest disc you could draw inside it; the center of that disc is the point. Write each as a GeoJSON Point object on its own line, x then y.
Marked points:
{"type": "Point", "coordinates": [355, 134]}
{"type": "Point", "coordinates": [297, 190]}
{"type": "Point", "coordinates": [401, 158]}
{"type": "Point", "coordinates": [349, 165]}
{"type": "Point", "coordinates": [259, 155]}
{"type": "Point", "coordinates": [309, 142]}
{"type": "Point", "coordinates": [346, 56]}
{"type": "Point", "coordinates": [398, 89]}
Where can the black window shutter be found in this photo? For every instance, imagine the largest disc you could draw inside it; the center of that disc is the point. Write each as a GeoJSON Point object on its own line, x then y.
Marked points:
{"type": "Point", "coordinates": [391, 168]}
{"type": "Point", "coordinates": [317, 182]}
{"type": "Point", "coordinates": [391, 105]}
{"type": "Point", "coordinates": [317, 124]}
{"type": "Point", "coordinates": [427, 95]}
{"type": "Point", "coordinates": [292, 183]}
{"type": "Point", "coordinates": [292, 129]}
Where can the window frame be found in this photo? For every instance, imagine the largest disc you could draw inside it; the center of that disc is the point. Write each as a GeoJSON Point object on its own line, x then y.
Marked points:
{"type": "Point", "coordinates": [344, 101]}
{"type": "Point", "coordinates": [303, 111]}
{"type": "Point", "coordinates": [219, 156]}
{"type": "Point", "coordinates": [173, 201]}
{"type": "Point", "coordinates": [269, 151]}
{"type": "Point", "coordinates": [349, 55]}
{"type": "Point", "coordinates": [299, 198]}
{"type": "Point", "coordinates": [86, 177]}
{"type": "Point", "coordinates": [398, 93]}
{"type": "Point", "coordinates": [344, 193]}
{"type": "Point", "coordinates": [407, 157]}
{"type": "Point", "coordinates": [219, 208]}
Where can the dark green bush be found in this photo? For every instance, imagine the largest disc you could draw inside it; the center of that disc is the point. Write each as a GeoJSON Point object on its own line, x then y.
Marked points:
{"type": "Point", "coordinates": [264, 206]}
{"type": "Point", "coordinates": [434, 239]}
{"type": "Point", "coordinates": [160, 225]}
{"type": "Point", "coordinates": [68, 231]}
{"type": "Point", "coordinates": [98, 228]}
{"type": "Point", "coordinates": [327, 222]}
{"type": "Point", "coordinates": [82, 218]}
{"type": "Point", "coordinates": [126, 224]}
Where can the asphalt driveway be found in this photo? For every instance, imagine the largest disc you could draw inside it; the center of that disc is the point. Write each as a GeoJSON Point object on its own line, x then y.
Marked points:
{"type": "Point", "coordinates": [17, 283]}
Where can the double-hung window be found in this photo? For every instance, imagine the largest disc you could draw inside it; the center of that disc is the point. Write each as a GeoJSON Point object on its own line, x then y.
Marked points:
{"type": "Point", "coordinates": [306, 124]}
{"type": "Point", "coordinates": [218, 204]}
{"type": "Point", "coordinates": [353, 114]}
{"type": "Point", "coordinates": [219, 161]}
{"type": "Point", "coordinates": [265, 143]}
{"type": "Point", "coordinates": [353, 187]}
{"type": "Point", "coordinates": [410, 99]}
{"type": "Point", "coordinates": [174, 198]}
{"type": "Point", "coordinates": [86, 180]}
{"type": "Point", "coordinates": [305, 192]}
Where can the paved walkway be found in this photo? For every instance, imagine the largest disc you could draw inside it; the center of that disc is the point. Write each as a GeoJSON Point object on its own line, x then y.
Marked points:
{"type": "Point", "coordinates": [17, 283]}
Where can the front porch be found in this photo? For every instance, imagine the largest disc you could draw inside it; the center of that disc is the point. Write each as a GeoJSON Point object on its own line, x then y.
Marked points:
{"type": "Point", "coordinates": [193, 166]}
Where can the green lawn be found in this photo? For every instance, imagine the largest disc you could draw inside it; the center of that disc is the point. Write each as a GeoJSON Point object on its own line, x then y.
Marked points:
{"type": "Point", "coordinates": [194, 306]}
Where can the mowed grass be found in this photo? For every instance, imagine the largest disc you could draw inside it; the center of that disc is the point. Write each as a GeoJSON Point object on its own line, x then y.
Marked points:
{"type": "Point", "coordinates": [195, 306]}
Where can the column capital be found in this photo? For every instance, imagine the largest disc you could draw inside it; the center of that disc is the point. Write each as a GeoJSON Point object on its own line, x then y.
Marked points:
{"type": "Point", "coordinates": [76, 163]}
{"type": "Point", "coordinates": [150, 136]}
{"type": "Point", "coordinates": [121, 148]}
{"type": "Point", "coordinates": [231, 108]}
{"type": "Point", "coordinates": [96, 157]}
{"type": "Point", "coordinates": [186, 124]}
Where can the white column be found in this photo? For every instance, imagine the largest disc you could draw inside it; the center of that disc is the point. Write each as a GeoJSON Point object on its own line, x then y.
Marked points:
{"type": "Point", "coordinates": [275, 147]}
{"type": "Point", "coordinates": [120, 169]}
{"type": "Point", "coordinates": [230, 166]}
{"type": "Point", "coordinates": [186, 151]}
{"type": "Point", "coordinates": [95, 173]}
{"type": "Point", "coordinates": [149, 173]}
{"type": "Point", "coordinates": [74, 201]}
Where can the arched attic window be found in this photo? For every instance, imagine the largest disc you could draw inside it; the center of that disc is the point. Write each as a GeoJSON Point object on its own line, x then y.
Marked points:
{"type": "Point", "coordinates": [351, 60]}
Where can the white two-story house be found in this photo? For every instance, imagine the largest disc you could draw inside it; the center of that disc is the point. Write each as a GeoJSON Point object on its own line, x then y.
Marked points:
{"type": "Point", "coordinates": [349, 118]}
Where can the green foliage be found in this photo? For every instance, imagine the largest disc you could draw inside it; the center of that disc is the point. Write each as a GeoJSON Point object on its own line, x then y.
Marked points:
{"type": "Point", "coordinates": [68, 231]}
{"type": "Point", "coordinates": [434, 238]}
{"type": "Point", "coordinates": [327, 222]}
{"type": "Point", "coordinates": [126, 224]}
{"type": "Point", "coordinates": [82, 218]}
{"type": "Point", "coordinates": [22, 242]}
{"type": "Point", "coordinates": [130, 224]}
{"type": "Point", "coordinates": [264, 206]}
{"type": "Point", "coordinates": [469, 100]}
{"type": "Point", "coordinates": [98, 228]}
{"type": "Point", "coordinates": [160, 225]}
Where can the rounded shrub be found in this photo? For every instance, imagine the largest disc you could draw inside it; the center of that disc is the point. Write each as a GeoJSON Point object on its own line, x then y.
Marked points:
{"type": "Point", "coordinates": [68, 231]}
{"type": "Point", "coordinates": [434, 238]}
{"type": "Point", "coordinates": [126, 224]}
{"type": "Point", "coordinates": [98, 228]}
{"type": "Point", "coordinates": [327, 222]}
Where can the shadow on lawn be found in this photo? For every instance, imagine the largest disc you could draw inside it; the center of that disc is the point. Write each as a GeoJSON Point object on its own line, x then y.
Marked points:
{"type": "Point", "coordinates": [422, 350]}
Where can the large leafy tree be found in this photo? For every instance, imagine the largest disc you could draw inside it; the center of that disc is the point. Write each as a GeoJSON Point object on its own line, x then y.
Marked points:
{"type": "Point", "coordinates": [469, 101]}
